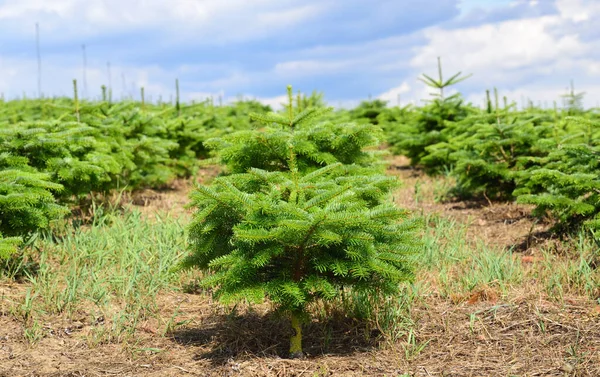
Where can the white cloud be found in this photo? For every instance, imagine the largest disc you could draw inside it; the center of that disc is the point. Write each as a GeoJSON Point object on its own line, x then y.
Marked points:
{"type": "Point", "coordinates": [310, 67]}
{"type": "Point", "coordinates": [507, 45]}
{"type": "Point", "coordinates": [208, 20]}
{"type": "Point", "coordinates": [395, 94]}
{"type": "Point", "coordinates": [18, 8]}
{"type": "Point", "coordinates": [276, 103]}
{"type": "Point", "coordinates": [530, 57]}
{"type": "Point", "coordinates": [578, 10]}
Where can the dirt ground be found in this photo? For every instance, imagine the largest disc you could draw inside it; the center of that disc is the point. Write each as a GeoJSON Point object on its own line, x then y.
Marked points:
{"type": "Point", "coordinates": [481, 339]}
{"type": "Point", "coordinates": [526, 335]}
{"type": "Point", "coordinates": [499, 224]}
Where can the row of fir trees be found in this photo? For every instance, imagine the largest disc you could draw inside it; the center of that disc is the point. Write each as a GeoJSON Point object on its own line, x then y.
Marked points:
{"type": "Point", "coordinates": [56, 151]}
{"type": "Point", "coordinates": [545, 157]}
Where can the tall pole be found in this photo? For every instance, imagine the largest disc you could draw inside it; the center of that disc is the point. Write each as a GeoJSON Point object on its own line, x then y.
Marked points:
{"type": "Point", "coordinates": [39, 59]}
{"type": "Point", "coordinates": [109, 81]}
{"type": "Point", "coordinates": [109, 76]}
{"type": "Point", "coordinates": [124, 85]}
{"type": "Point", "coordinates": [84, 72]}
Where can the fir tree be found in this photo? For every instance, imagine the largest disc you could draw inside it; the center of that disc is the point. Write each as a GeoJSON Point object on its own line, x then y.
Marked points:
{"type": "Point", "coordinates": [488, 152]}
{"type": "Point", "coordinates": [573, 101]}
{"type": "Point", "coordinates": [565, 184]}
{"type": "Point", "coordinates": [414, 136]}
{"type": "Point", "coordinates": [316, 99]}
{"type": "Point", "coordinates": [27, 204]}
{"type": "Point", "coordinates": [316, 144]}
{"type": "Point", "coordinates": [72, 153]}
{"type": "Point", "coordinates": [8, 246]}
{"type": "Point", "coordinates": [369, 111]}
{"type": "Point", "coordinates": [297, 229]}
{"type": "Point", "coordinates": [295, 238]}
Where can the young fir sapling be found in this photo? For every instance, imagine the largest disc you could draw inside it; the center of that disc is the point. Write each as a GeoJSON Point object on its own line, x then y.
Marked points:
{"type": "Point", "coordinates": [415, 135]}
{"type": "Point", "coordinates": [316, 143]}
{"type": "Point", "coordinates": [298, 230]}
{"type": "Point", "coordinates": [27, 204]}
{"type": "Point", "coordinates": [565, 184]}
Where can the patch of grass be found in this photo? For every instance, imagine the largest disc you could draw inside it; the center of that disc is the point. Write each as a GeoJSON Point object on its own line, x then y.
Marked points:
{"type": "Point", "coordinates": [110, 271]}
{"type": "Point", "coordinates": [574, 272]}
{"type": "Point", "coordinates": [452, 267]}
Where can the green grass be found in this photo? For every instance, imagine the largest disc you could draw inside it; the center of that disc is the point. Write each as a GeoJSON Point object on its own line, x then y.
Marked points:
{"type": "Point", "coordinates": [111, 270]}
{"type": "Point", "coordinates": [451, 266]}
{"type": "Point", "coordinates": [575, 272]}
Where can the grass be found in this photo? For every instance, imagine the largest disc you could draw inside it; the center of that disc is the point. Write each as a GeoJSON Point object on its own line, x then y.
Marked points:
{"type": "Point", "coordinates": [111, 270]}
{"type": "Point", "coordinates": [453, 267]}
{"type": "Point", "coordinates": [576, 271]}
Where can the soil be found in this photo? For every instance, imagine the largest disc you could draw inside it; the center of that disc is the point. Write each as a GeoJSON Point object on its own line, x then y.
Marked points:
{"type": "Point", "coordinates": [498, 224]}
{"type": "Point", "coordinates": [524, 335]}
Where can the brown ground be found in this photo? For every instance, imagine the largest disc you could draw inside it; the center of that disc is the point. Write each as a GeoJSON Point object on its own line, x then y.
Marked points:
{"type": "Point", "coordinates": [499, 224]}
{"type": "Point", "coordinates": [525, 335]}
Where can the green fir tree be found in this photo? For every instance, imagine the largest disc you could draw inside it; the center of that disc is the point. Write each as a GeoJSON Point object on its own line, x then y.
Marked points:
{"type": "Point", "coordinates": [27, 204]}
{"type": "Point", "coordinates": [298, 229]}
{"type": "Point", "coordinates": [565, 184]}
{"type": "Point", "coordinates": [412, 137]}
{"type": "Point", "coordinates": [316, 143]}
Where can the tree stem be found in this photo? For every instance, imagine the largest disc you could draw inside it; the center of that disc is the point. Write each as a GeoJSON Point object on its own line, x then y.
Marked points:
{"type": "Point", "coordinates": [296, 339]}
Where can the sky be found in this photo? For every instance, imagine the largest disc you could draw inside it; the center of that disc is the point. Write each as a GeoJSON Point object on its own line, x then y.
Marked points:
{"type": "Point", "coordinates": [350, 50]}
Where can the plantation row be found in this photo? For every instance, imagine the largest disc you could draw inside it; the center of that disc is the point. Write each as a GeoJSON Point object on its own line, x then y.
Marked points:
{"type": "Point", "coordinates": [547, 158]}
{"type": "Point", "coordinates": [53, 152]}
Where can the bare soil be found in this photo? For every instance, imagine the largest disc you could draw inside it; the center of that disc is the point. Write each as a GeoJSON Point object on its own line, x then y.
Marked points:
{"type": "Point", "coordinates": [525, 337]}
{"type": "Point", "coordinates": [522, 335]}
{"type": "Point", "coordinates": [497, 224]}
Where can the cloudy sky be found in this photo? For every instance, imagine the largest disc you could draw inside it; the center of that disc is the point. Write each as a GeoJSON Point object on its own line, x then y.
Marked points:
{"type": "Point", "coordinates": [349, 49]}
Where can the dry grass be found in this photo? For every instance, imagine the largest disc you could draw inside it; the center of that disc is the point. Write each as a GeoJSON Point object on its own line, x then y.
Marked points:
{"type": "Point", "coordinates": [525, 337]}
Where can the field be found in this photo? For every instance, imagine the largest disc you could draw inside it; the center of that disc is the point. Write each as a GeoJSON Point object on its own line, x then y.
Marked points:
{"type": "Point", "coordinates": [506, 273]}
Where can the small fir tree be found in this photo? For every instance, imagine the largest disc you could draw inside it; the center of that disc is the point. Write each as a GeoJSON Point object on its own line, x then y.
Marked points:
{"type": "Point", "coordinates": [565, 184]}
{"type": "Point", "coordinates": [8, 246]}
{"type": "Point", "coordinates": [27, 205]}
{"type": "Point", "coordinates": [487, 155]}
{"type": "Point", "coordinates": [301, 230]}
{"type": "Point", "coordinates": [369, 111]}
{"type": "Point", "coordinates": [316, 144]}
{"type": "Point", "coordinates": [573, 102]}
{"type": "Point", "coordinates": [412, 137]}
{"type": "Point", "coordinates": [296, 238]}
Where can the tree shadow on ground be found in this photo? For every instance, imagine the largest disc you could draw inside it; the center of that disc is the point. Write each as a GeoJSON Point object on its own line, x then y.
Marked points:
{"type": "Point", "coordinates": [256, 335]}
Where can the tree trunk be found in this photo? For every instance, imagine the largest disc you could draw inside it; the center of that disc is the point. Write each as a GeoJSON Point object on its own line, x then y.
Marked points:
{"type": "Point", "coordinates": [296, 339]}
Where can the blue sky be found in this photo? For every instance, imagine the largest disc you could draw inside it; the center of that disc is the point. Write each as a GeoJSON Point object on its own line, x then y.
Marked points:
{"type": "Point", "coordinates": [349, 49]}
